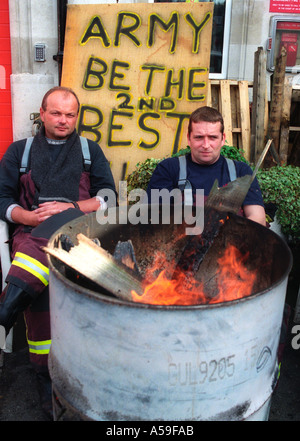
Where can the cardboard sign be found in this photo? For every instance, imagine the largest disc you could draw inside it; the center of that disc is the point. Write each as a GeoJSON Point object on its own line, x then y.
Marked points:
{"type": "Point", "coordinates": [139, 71]}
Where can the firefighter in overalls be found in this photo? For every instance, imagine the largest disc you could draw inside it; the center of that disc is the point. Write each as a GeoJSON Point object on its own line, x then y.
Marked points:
{"type": "Point", "coordinates": [59, 182]}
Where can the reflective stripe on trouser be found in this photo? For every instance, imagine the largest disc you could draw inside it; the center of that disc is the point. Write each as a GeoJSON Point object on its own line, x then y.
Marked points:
{"type": "Point", "coordinates": [39, 347]}
{"type": "Point", "coordinates": [32, 266]}
{"type": "Point", "coordinates": [29, 268]}
{"type": "Point", "coordinates": [38, 335]}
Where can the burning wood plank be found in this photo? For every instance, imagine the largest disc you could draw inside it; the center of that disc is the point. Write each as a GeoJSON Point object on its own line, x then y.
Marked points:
{"type": "Point", "coordinates": [95, 263]}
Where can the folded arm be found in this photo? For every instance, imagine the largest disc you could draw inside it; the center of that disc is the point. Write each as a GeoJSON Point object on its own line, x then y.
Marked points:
{"type": "Point", "coordinates": [33, 218]}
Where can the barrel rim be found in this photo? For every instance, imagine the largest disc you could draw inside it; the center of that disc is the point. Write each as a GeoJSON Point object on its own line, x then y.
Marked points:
{"type": "Point", "coordinates": [114, 300]}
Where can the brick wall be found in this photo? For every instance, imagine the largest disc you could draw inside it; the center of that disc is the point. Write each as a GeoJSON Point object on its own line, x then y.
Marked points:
{"type": "Point", "coordinates": [6, 135]}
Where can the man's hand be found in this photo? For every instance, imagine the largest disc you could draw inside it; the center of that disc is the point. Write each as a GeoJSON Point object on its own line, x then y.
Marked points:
{"type": "Point", "coordinates": [34, 218]}
{"type": "Point", "coordinates": [48, 209]}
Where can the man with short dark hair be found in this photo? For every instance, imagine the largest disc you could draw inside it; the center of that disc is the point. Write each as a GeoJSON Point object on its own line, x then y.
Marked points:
{"type": "Point", "coordinates": [205, 164]}
{"type": "Point", "coordinates": [55, 186]}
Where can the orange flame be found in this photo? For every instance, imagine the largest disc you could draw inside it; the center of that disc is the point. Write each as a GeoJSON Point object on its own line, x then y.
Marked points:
{"type": "Point", "coordinates": [234, 282]}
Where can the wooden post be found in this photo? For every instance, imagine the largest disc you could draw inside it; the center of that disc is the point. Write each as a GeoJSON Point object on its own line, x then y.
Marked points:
{"type": "Point", "coordinates": [226, 109]}
{"type": "Point", "coordinates": [285, 121]}
{"type": "Point", "coordinates": [245, 117]}
{"type": "Point", "coordinates": [208, 98]}
{"type": "Point", "coordinates": [276, 106]}
{"type": "Point", "coordinates": [259, 104]}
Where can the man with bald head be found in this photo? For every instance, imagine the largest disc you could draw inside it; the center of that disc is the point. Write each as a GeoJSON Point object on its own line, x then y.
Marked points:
{"type": "Point", "coordinates": [59, 182]}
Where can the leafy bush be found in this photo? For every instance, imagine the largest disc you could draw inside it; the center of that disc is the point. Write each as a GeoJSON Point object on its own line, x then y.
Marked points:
{"type": "Point", "coordinates": [280, 185]}
{"type": "Point", "coordinates": [140, 177]}
{"type": "Point", "coordinates": [232, 152]}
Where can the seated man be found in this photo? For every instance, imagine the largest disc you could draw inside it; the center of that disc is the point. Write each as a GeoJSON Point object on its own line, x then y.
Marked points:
{"type": "Point", "coordinates": [206, 137]}
{"type": "Point", "coordinates": [56, 187]}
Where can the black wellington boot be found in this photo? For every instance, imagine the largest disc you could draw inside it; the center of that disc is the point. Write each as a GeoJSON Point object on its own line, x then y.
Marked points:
{"type": "Point", "coordinates": [45, 392]}
{"type": "Point", "coordinates": [12, 302]}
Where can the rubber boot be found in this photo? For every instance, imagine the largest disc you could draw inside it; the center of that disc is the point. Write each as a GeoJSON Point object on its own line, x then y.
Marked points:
{"type": "Point", "coordinates": [13, 301]}
{"type": "Point", "coordinates": [45, 392]}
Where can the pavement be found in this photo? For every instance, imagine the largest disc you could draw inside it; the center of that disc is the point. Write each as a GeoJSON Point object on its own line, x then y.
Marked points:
{"type": "Point", "coordinates": [19, 400]}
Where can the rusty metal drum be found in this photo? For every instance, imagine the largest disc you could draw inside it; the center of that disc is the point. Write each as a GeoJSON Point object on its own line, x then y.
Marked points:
{"type": "Point", "coordinates": [113, 360]}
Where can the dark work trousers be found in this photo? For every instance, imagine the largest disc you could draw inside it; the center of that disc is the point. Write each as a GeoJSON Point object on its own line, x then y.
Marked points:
{"type": "Point", "coordinates": [29, 271]}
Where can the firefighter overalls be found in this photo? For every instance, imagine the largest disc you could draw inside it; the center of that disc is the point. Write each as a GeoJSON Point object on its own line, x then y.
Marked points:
{"type": "Point", "coordinates": [29, 269]}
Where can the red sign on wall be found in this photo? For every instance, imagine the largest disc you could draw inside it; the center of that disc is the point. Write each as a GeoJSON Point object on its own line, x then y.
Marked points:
{"type": "Point", "coordinates": [6, 135]}
{"type": "Point", "coordinates": [285, 6]}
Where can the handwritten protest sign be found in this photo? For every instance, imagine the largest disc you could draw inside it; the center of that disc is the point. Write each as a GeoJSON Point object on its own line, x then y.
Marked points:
{"type": "Point", "coordinates": [139, 71]}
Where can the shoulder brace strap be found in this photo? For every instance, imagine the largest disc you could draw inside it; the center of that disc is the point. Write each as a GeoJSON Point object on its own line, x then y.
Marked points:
{"type": "Point", "coordinates": [24, 160]}
{"type": "Point", "coordinates": [183, 183]}
{"type": "Point", "coordinates": [85, 153]}
{"type": "Point", "coordinates": [231, 168]}
{"type": "Point", "coordinates": [182, 172]}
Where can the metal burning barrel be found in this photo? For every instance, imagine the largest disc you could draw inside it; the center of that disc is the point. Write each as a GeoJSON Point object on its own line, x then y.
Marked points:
{"type": "Point", "coordinates": [114, 360]}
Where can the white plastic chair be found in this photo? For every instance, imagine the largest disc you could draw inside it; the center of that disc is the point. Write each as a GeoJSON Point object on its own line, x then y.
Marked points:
{"type": "Point", "coordinates": [5, 265]}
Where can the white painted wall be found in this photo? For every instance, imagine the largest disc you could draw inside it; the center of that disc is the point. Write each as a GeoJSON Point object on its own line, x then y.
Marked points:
{"type": "Point", "coordinates": [31, 22]}
{"type": "Point", "coordinates": [249, 30]}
